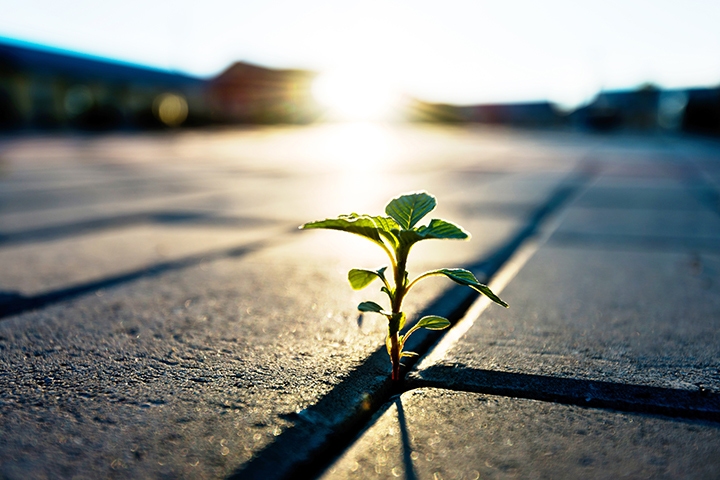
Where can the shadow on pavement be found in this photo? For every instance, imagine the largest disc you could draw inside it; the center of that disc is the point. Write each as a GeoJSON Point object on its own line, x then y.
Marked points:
{"type": "Point", "coordinates": [405, 439]}
{"type": "Point", "coordinates": [12, 303]}
{"type": "Point", "coordinates": [83, 227]}
{"type": "Point", "coordinates": [701, 404]}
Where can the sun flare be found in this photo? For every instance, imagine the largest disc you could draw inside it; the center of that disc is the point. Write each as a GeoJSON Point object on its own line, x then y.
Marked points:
{"type": "Point", "coordinates": [349, 95]}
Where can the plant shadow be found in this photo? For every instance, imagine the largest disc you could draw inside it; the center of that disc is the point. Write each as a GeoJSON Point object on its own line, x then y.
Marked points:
{"type": "Point", "coordinates": [405, 440]}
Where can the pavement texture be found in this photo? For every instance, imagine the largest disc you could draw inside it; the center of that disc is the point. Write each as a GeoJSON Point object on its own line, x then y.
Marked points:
{"type": "Point", "coordinates": [162, 317]}
{"type": "Point", "coordinates": [433, 433]}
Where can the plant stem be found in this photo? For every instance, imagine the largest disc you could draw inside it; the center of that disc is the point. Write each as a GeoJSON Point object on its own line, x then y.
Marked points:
{"type": "Point", "coordinates": [400, 290]}
{"type": "Point", "coordinates": [395, 356]}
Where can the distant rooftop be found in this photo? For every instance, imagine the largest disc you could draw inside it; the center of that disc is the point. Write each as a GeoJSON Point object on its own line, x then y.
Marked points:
{"type": "Point", "coordinates": [25, 56]}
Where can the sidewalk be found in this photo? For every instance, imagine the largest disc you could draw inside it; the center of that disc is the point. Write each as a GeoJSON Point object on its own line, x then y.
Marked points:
{"type": "Point", "coordinates": [607, 365]}
{"type": "Point", "coordinates": [174, 323]}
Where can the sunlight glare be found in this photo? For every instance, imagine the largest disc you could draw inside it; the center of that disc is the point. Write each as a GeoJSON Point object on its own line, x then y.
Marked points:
{"type": "Point", "coordinates": [359, 146]}
{"type": "Point", "coordinates": [354, 96]}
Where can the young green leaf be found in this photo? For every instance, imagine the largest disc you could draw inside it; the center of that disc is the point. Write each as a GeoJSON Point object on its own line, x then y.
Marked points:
{"type": "Point", "coordinates": [433, 322]}
{"type": "Point", "coordinates": [409, 209]}
{"type": "Point", "coordinates": [360, 278]}
{"type": "Point", "coordinates": [371, 307]}
{"type": "Point", "coordinates": [362, 225]}
{"type": "Point", "coordinates": [485, 290]}
{"type": "Point", "coordinates": [465, 277]}
{"type": "Point", "coordinates": [408, 354]}
{"type": "Point", "coordinates": [439, 228]}
{"type": "Point", "coordinates": [387, 228]}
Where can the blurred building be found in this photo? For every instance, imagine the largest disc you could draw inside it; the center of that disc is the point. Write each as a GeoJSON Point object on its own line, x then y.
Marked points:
{"type": "Point", "coordinates": [530, 114]}
{"type": "Point", "coordinates": [49, 89]}
{"type": "Point", "coordinates": [701, 111]}
{"type": "Point", "coordinates": [45, 89]}
{"type": "Point", "coordinates": [246, 93]}
{"type": "Point", "coordinates": [629, 109]}
{"type": "Point", "coordinates": [644, 109]}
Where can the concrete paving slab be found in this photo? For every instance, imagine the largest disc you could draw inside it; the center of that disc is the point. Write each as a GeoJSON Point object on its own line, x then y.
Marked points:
{"type": "Point", "coordinates": [693, 230]}
{"type": "Point", "coordinates": [33, 225]}
{"type": "Point", "coordinates": [642, 212]}
{"type": "Point", "coordinates": [641, 193]}
{"type": "Point", "coordinates": [440, 434]}
{"type": "Point", "coordinates": [36, 268]}
{"type": "Point", "coordinates": [187, 374]}
{"type": "Point", "coordinates": [643, 318]}
{"type": "Point", "coordinates": [630, 326]}
{"type": "Point", "coordinates": [502, 194]}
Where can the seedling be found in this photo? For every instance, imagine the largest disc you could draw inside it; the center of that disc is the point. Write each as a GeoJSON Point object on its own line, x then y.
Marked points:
{"type": "Point", "coordinates": [396, 234]}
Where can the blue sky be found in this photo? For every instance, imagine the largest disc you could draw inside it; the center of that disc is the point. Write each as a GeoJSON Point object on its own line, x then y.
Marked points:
{"type": "Point", "coordinates": [456, 51]}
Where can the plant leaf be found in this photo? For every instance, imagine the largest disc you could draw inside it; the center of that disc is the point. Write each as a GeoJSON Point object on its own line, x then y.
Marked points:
{"type": "Point", "coordinates": [362, 225]}
{"type": "Point", "coordinates": [433, 322]}
{"type": "Point", "coordinates": [388, 292]}
{"type": "Point", "coordinates": [386, 224]}
{"type": "Point", "coordinates": [465, 277]}
{"type": "Point", "coordinates": [439, 228]}
{"type": "Point", "coordinates": [409, 209]}
{"type": "Point", "coordinates": [381, 272]}
{"type": "Point", "coordinates": [371, 307]}
{"type": "Point", "coordinates": [386, 228]}
{"type": "Point", "coordinates": [374, 228]}
{"type": "Point", "coordinates": [407, 238]}
{"type": "Point", "coordinates": [485, 290]}
{"type": "Point", "coordinates": [360, 278]}
{"type": "Point", "coordinates": [408, 354]}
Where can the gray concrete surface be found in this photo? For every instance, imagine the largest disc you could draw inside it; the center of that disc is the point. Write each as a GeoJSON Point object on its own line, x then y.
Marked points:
{"type": "Point", "coordinates": [160, 316]}
{"type": "Point", "coordinates": [169, 320]}
{"type": "Point", "coordinates": [228, 350]}
{"type": "Point", "coordinates": [625, 290]}
{"type": "Point", "coordinates": [634, 317]}
{"type": "Point", "coordinates": [432, 434]}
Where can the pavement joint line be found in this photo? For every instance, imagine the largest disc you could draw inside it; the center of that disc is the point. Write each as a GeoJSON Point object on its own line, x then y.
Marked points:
{"type": "Point", "coordinates": [325, 439]}
{"type": "Point", "coordinates": [18, 304]}
{"type": "Point", "coordinates": [699, 404]}
{"type": "Point", "coordinates": [84, 227]}
{"type": "Point", "coordinates": [642, 242]}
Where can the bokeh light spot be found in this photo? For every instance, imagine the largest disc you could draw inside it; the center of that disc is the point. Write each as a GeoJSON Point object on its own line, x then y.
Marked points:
{"type": "Point", "coordinates": [170, 109]}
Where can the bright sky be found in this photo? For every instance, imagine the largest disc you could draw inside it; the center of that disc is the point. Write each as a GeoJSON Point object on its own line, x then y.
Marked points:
{"type": "Point", "coordinates": [455, 51]}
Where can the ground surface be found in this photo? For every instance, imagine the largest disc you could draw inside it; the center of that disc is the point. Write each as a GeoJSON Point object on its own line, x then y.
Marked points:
{"type": "Point", "coordinates": [162, 317]}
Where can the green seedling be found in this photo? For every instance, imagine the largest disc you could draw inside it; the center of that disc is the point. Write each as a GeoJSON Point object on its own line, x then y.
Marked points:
{"type": "Point", "coordinates": [396, 234]}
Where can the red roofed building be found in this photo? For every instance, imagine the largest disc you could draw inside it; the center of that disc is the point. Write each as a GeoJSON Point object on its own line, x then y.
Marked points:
{"type": "Point", "coordinates": [249, 93]}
